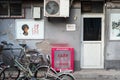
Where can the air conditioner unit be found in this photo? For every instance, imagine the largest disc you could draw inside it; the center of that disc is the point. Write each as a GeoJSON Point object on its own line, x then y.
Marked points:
{"type": "Point", "coordinates": [56, 8]}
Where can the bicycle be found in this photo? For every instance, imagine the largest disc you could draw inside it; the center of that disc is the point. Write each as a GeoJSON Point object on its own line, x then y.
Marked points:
{"type": "Point", "coordinates": [28, 71]}
{"type": "Point", "coordinates": [2, 66]}
{"type": "Point", "coordinates": [17, 67]}
{"type": "Point", "coordinates": [26, 62]}
{"type": "Point", "coordinates": [39, 72]}
{"type": "Point", "coordinates": [48, 73]}
{"type": "Point", "coordinates": [7, 71]}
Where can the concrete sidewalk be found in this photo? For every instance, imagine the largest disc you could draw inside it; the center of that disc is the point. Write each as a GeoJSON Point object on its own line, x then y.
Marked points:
{"type": "Point", "coordinates": [97, 75]}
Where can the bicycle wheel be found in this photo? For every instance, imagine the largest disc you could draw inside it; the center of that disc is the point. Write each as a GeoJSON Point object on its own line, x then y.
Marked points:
{"type": "Point", "coordinates": [2, 75]}
{"type": "Point", "coordinates": [65, 77]}
{"type": "Point", "coordinates": [23, 78]}
{"type": "Point", "coordinates": [45, 72]}
{"type": "Point", "coordinates": [34, 56]}
{"type": "Point", "coordinates": [41, 72]}
{"type": "Point", "coordinates": [11, 73]}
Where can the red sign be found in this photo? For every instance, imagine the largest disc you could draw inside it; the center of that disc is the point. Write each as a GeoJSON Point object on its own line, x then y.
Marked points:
{"type": "Point", "coordinates": [62, 58]}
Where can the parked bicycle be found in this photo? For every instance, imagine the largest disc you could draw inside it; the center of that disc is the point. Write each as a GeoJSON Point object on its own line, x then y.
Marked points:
{"type": "Point", "coordinates": [26, 63]}
{"type": "Point", "coordinates": [19, 65]}
{"type": "Point", "coordinates": [27, 66]}
{"type": "Point", "coordinates": [10, 72]}
{"type": "Point", "coordinates": [7, 70]}
{"type": "Point", "coordinates": [2, 66]}
{"type": "Point", "coordinates": [48, 73]}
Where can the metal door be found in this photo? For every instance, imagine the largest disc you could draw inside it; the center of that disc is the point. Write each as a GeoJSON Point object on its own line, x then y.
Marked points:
{"type": "Point", "coordinates": [92, 41]}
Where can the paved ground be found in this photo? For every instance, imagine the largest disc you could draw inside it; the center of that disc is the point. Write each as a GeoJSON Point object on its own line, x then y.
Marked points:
{"type": "Point", "coordinates": [97, 75]}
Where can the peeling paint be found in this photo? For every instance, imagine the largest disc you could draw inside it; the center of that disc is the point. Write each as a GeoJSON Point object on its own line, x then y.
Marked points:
{"type": "Point", "coordinates": [11, 36]}
{"type": "Point", "coordinates": [44, 46]}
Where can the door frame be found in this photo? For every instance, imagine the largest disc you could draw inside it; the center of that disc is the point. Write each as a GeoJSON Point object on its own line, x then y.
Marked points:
{"type": "Point", "coordinates": [93, 15]}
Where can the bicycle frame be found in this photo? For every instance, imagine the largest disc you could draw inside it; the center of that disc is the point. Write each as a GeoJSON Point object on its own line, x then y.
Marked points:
{"type": "Point", "coordinates": [28, 73]}
{"type": "Point", "coordinates": [48, 73]}
{"type": "Point", "coordinates": [21, 67]}
{"type": "Point", "coordinates": [26, 69]}
{"type": "Point", "coordinates": [52, 73]}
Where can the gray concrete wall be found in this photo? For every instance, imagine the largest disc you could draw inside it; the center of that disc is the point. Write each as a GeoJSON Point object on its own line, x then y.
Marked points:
{"type": "Point", "coordinates": [112, 47]}
{"type": "Point", "coordinates": [55, 32]}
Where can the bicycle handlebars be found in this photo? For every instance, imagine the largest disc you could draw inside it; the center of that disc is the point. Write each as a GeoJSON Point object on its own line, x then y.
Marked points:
{"type": "Point", "coordinates": [5, 43]}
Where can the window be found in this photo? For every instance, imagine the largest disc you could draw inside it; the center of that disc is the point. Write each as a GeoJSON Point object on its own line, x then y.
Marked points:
{"type": "Point", "coordinates": [11, 8]}
{"type": "Point", "coordinates": [92, 6]}
{"type": "Point", "coordinates": [92, 29]}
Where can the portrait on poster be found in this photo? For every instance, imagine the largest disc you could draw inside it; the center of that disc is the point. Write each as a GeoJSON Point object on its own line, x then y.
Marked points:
{"type": "Point", "coordinates": [115, 26]}
{"type": "Point", "coordinates": [29, 29]}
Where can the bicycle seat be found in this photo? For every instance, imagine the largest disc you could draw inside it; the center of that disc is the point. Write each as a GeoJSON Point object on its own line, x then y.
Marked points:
{"type": "Point", "coordinates": [4, 42]}
{"type": "Point", "coordinates": [23, 45]}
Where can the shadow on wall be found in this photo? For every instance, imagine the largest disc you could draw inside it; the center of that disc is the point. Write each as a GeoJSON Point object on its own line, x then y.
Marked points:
{"type": "Point", "coordinates": [57, 20]}
{"type": "Point", "coordinates": [44, 47]}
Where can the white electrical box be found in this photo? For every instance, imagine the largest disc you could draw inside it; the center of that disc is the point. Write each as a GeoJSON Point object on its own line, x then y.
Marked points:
{"type": "Point", "coordinates": [56, 8]}
{"type": "Point", "coordinates": [36, 12]}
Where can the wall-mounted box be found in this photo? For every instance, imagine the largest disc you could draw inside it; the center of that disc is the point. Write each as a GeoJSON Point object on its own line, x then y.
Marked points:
{"type": "Point", "coordinates": [63, 58]}
{"type": "Point", "coordinates": [36, 12]}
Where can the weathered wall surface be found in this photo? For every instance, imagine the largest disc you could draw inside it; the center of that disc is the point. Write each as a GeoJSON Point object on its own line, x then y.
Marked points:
{"type": "Point", "coordinates": [56, 32]}
{"type": "Point", "coordinates": [112, 47]}
{"type": "Point", "coordinates": [54, 29]}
